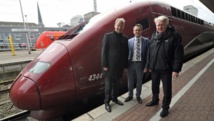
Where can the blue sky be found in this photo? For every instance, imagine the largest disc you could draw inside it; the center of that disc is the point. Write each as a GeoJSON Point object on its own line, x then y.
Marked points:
{"type": "Point", "coordinates": [54, 11]}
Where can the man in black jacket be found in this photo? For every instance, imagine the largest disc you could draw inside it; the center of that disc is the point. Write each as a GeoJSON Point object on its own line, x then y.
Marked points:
{"type": "Point", "coordinates": [114, 58]}
{"type": "Point", "coordinates": [165, 60]}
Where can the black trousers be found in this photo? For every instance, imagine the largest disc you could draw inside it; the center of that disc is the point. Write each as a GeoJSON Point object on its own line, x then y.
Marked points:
{"type": "Point", "coordinates": [111, 89]}
{"type": "Point", "coordinates": [166, 78]}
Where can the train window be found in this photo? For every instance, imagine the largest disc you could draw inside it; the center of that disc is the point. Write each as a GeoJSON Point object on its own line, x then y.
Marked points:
{"type": "Point", "coordinates": [144, 22]}
{"type": "Point", "coordinates": [1, 39]}
{"type": "Point", "coordinates": [201, 22]}
{"type": "Point", "coordinates": [188, 17]}
{"type": "Point", "coordinates": [196, 20]}
{"type": "Point", "coordinates": [51, 37]}
{"type": "Point", "coordinates": [17, 36]}
{"type": "Point", "coordinates": [173, 11]}
{"type": "Point", "coordinates": [80, 28]}
{"type": "Point", "coordinates": [89, 23]}
{"type": "Point", "coordinates": [192, 18]}
{"type": "Point", "coordinates": [32, 36]}
{"type": "Point", "coordinates": [178, 13]}
{"type": "Point", "coordinates": [5, 36]}
{"type": "Point", "coordinates": [40, 67]}
{"type": "Point", "coordinates": [182, 15]}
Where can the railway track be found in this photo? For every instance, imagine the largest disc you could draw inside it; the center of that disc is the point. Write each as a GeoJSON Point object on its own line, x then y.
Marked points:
{"type": "Point", "coordinates": [4, 102]}
{"type": "Point", "coordinates": [5, 86]}
{"type": "Point", "coordinates": [6, 82]}
{"type": "Point", "coordinates": [4, 91]}
{"type": "Point", "coordinates": [21, 116]}
{"type": "Point", "coordinates": [8, 112]}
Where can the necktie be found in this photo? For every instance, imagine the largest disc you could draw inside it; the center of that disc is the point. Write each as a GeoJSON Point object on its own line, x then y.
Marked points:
{"type": "Point", "coordinates": [138, 50]}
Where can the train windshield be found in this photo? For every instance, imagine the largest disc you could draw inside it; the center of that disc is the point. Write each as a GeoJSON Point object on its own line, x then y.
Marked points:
{"type": "Point", "coordinates": [90, 23]}
{"type": "Point", "coordinates": [40, 67]}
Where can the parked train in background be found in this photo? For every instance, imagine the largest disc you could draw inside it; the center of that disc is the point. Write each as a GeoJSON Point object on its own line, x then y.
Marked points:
{"type": "Point", "coordinates": [69, 70]}
{"type": "Point", "coordinates": [47, 37]}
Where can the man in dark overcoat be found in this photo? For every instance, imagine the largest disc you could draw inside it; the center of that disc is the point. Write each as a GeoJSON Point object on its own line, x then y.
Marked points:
{"type": "Point", "coordinates": [114, 58]}
{"type": "Point", "coordinates": [165, 60]}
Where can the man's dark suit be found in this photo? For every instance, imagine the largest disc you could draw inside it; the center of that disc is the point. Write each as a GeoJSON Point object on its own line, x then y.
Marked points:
{"type": "Point", "coordinates": [135, 70]}
{"type": "Point", "coordinates": [114, 56]}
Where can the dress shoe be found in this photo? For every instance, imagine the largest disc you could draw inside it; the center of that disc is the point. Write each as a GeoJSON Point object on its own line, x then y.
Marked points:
{"type": "Point", "coordinates": [118, 102]}
{"type": "Point", "coordinates": [128, 99]}
{"type": "Point", "coordinates": [164, 113]}
{"type": "Point", "coordinates": [107, 107]}
{"type": "Point", "coordinates": [139, 100]}
{"type": "Point", "coordinates": [152, 103]}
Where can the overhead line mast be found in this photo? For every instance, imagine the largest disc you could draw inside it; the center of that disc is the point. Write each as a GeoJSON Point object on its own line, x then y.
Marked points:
{"type": "Point", "coordinates": [95, 5]}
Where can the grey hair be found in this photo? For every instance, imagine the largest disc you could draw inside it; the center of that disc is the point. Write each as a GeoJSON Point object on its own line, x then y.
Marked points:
{"type": "Point", "coordinates": [120, 19]}
{"type": "Point", "coordinates": [162, 18]}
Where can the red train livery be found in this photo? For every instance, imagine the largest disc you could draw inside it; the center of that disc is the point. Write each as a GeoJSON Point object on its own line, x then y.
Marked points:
{"type": "Point", "coordinates": [47, 37]}
{"type": "Point", "coordinates": [69, 70]}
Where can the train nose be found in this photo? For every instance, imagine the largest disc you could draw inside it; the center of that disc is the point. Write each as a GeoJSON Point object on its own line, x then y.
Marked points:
{"type": "Point", "coordinates": [24, 94]}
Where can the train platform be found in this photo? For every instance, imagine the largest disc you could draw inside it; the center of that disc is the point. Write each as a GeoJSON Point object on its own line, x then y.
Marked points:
{"type": "Point", "coordinates": [12, 64]}
{"type": "Point", "coordinates": [20, 55]}
{"type": "Point", "coordinates": [192, 91]}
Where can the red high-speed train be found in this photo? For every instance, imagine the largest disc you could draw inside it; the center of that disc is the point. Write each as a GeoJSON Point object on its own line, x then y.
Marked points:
{"type": "Point", "coordinates": [47, 37]}
{"type": "Point", "coordinates": [69, 70]}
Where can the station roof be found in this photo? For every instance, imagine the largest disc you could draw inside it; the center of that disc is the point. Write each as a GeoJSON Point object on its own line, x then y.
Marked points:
{"type": "Point", "coordinates": [209, 4]}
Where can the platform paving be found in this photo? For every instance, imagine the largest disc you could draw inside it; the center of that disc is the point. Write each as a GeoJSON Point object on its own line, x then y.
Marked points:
{"type": "Point", "coordinates": [20, 55]}
{"type": "Point", "coordinates": [193, 97]}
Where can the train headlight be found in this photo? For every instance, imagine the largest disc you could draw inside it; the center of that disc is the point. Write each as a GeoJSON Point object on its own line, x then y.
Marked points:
{"type": "Point", "coordinates": [40, 67]}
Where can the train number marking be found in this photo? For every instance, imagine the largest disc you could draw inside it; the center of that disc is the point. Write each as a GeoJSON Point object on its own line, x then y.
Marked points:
{"type": "Point", "coordinates": [94, 77]}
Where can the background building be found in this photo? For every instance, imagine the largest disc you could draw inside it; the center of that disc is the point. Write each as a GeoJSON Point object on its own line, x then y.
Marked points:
{"type": "Point", "coordinates": [191, 9]}
{"type": "Point", "coordinates": [76, 20]}
{"type": "Point", "coordinates": [90, 15]}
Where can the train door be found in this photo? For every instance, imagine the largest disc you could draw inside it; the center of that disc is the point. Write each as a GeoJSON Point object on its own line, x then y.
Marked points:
{"type": "Point", "coordinates": [89, 72]}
